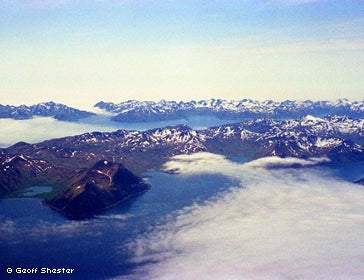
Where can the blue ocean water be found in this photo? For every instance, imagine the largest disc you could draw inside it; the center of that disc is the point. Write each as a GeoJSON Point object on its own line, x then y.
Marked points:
{"type": "Point", "coordinates": [193, 121]}
{"type": "Point", "coordinates": [34, 236]}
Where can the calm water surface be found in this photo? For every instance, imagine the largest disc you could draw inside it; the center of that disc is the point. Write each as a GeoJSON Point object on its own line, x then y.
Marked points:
{"type": "Point", "coordinates": [32, 235]}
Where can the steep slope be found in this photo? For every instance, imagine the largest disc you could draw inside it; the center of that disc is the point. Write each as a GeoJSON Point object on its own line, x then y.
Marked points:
{"type": "Point", "coordinates": [337, 138]}
{"type": "Point", "coordinates": [95, 189]}
{"type": "Point", "coordinates": [19, 171]}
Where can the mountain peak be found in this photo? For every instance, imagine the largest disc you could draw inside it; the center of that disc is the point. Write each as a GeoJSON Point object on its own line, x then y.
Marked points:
{"type": "Point", "coordinates": [44, 109]}
{"type": "Point", "coordinates": [95, 189]}
{"type": "Point", "coordinates": [312, 118]}
{"type": "Point", "coordinates": [143, 111]}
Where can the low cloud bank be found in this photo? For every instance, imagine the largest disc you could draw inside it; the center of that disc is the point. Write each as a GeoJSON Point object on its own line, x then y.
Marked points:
{"type": "Point", "coordinates": [205, 162]}
{"type": "Point", "coordinates": [277, 224]}
{"type": "Point", "coordinates": [40, 129]}
{"type": "Point", "coordinates": [44, 128]}
{"type": "Point", "coordinates": [277, 162]}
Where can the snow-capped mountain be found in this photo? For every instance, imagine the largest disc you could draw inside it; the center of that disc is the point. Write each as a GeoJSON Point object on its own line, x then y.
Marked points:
{"type": "Point", "coordinates": [312, 133]}
{"type": "Point", "coordinates": [18, 170]}
{"type": "Point", "coordinates": [336, 138]}
{"type": "Point", "coordinates": [147, 111]}
{"type": "Point", "coordinates": [132, 110]}
{"type": "Point", "coordinates": [46, 109]}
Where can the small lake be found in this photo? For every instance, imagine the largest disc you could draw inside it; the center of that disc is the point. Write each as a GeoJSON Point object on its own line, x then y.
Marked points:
{"type": "Point", "coordinates": [37, 190]}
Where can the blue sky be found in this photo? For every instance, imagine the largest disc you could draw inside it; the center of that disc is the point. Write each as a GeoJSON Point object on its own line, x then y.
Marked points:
{"type": "Point", "coordinates": [80, 52]}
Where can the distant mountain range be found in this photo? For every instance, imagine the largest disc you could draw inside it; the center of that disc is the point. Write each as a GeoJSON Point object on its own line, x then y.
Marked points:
{"type": "Point", "coordinates": [47, 109]}
{"type": "Point", "coordinates": [146, 111]}
{"type": "Point", "coordinates": [67, 162]}
{"type": "Point", "coordinates": [56, 161]}
{"type": "Point", "coordinates": [143, 111]}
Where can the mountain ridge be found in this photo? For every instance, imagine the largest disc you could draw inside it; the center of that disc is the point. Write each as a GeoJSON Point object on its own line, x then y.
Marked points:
{"type": "Point", "coordinates": [338, 138]}
{"type": "Point", "coordinates": [59, 161]}
{"type": "Point", "coordinates": [133, 110]}
{"type": "Point", "coordinates": [147, 111]}
{"type": "Point", "coordinates": [45, 109]}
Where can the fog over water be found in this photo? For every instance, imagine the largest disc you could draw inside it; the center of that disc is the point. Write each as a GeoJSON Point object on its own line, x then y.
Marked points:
{"type": "Point", "coordinates": [43, 128]}
{"type": "Point", "coordinates": [282, 219]}
{"type": "Point", "coordinates": [213, 218]}
{"type": "Point", "coordinates": [277, 223]}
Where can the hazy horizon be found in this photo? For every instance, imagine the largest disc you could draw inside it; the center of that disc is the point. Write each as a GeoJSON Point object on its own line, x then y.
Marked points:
{"type": "Point", "coordinates": [91, 105]}
{"type": "Point", "coordinates": [215, 218]}
{"type": "Point", "coordinates": [80, 52]}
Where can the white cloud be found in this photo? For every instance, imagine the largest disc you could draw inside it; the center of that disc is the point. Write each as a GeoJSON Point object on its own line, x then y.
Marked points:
{"type": "Point", "coordinates": [276, 162]}
{"type": "Point", "coordinates": [201, 163]}
{"type": "Point", "coordinates": [17, 230]}
{"type": "Point", "coordinates": [278, 224]}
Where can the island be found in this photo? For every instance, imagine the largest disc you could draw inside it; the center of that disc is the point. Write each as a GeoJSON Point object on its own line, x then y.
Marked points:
{"type": "Point", "coordinates": [92, 190]}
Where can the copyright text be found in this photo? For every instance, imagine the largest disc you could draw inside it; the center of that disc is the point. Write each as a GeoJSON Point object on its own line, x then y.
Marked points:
{"type": "Point", "coordinates": [43, 270]}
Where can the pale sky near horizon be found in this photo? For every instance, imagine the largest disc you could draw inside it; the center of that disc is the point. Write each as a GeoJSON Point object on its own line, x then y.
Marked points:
{"type": "Point", "coordinates": [80, 52]}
